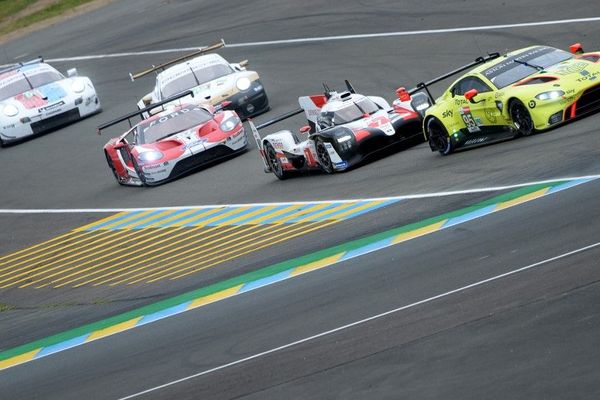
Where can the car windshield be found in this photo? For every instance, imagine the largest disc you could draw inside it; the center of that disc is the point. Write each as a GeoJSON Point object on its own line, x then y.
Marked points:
{"type": "Point", "coordinates": [13, 86]}
{"type": "Point", "coordinates": [354, 111]}
{"type": "Point", "coordinates": [155, 129]}
{"type": "Point", "coordinates": [194, 77]}
{"type": "Point", "coordinates": [21, 82]}
{"type": "Point", "coordinates": [42, 78]}
{"type": "Point", "coordinates": [512, 69]}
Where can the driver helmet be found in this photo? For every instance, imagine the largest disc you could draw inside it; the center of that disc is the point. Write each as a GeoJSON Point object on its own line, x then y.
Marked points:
{"type": "Point", "coordinates": [325, 120]}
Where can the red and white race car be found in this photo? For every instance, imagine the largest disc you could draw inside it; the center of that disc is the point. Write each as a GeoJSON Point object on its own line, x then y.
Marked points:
{"type": "Point", "coordinates": [343, 129]}
{"type": "Point", "coordinates": [173, 142]}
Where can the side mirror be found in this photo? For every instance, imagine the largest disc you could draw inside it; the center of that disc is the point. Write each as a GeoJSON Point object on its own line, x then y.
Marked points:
{"type": "Point", "coordinates": [120, 145]}
{"type": "Point", "coordinates": [71, 73]}
{"type": "Point", "coordinates": [576, 48]}
{"type": "Point", "coordinates": [470, 94]}
{"type": "Point", "coordinates": [224, 105]}
{"type": "Point", "coordinates": [305, 129]}
{"type": "Point", "coordinates": [243, 64]}
{"type": "Point", "coordinates": [402, 94]}
{"type": "Point", "coordinates": [147, 99]}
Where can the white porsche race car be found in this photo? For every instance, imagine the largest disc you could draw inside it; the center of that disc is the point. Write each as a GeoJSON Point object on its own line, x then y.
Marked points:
{"type": "Point", "coordinates": [211, 78]}
{"type": "Point", "coordinates": [35, 97]}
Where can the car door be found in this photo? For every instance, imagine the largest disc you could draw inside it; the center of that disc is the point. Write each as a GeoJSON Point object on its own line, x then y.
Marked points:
{"type": "Point", "coordinates": [480, 115]}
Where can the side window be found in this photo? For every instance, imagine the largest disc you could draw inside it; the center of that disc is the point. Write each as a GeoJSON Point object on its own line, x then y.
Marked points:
{"type": "Point", "coordinates": [468, 83]}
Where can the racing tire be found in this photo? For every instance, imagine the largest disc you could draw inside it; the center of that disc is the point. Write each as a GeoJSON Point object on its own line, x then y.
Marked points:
{"type": "Point", "coordinates": [438, 137]}
{"type": "Point", "coordinates": [112, 168]}
{"type": "Point", "coordinates": [274, 162]}
{"type": "Point", "coordinates": [139, 172]}
{"type": "Point", "coordinates": [521, 118]}
{"type": "Point", "coordinates": [323, 156]}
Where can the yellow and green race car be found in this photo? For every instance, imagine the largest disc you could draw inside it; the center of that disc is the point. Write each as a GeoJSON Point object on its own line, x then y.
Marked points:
{"type": "Point", "coordinates": [516, 94]}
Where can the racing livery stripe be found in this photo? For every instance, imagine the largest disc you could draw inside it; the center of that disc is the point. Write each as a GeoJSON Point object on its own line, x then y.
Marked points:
{"type": "Point", "coordinates": [270, 275]}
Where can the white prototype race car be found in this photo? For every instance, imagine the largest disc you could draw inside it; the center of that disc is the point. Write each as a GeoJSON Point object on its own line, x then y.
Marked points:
{"type": "Point", "coordinates": [35, 98]}
{"type": "Point", "coordinates": [211, 78]}
{"type": "Point", "coordinates": [343, 129]}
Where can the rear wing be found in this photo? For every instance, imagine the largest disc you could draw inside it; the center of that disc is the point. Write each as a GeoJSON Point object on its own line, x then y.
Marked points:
{"type": "Point", "coordinates": [142, 111]}
{"type": "Point", "coordinates": [12, 67]}
{"type": "Point", "coordinates": [425, 85]}
{"type": "Point", "coordinates": [258, 139]}
{"type": "Point", "coordinates": [203, 50]}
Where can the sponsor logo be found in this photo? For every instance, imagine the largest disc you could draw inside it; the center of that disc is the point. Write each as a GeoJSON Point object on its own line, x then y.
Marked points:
{"type": "Point", "coordinates": [341, 165]}
{"type": "Point", "coordinates": [532, 104]}
{"type": "Point", "coordinates": [476, 140]}
{"type": "Point", "coordinates": [571, 69]}
{"type": "Point", "coordinates": [151, 167]}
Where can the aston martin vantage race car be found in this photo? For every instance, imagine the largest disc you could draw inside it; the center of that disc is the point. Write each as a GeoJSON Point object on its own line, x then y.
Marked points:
{"type": "Point", "coordinates": [35, 97]}
{"type": "Point", "coordinates": [173, 141]}
{"type": "Point", "coordinates": [516, 94]}
{"type": "Point", "coordinates": [343, 128]}
{"type": "Point", "coordinates": [211, 78]}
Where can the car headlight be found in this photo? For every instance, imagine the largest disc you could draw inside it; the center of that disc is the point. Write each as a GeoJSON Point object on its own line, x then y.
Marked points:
{"type": "Point", "coordinates": [344, 138]}
{"type": "Point", "coordinates": [553, 94]}
{"type": "Point", "coordinates": [230, 123]}
{"type": "Point", "coordinates": [10, 110]}
{"type": "Point", "coordinates": [78, 86]}
{"type": "Point", "coordinates": [243, 84]}
{"type": "Point", "coordinates": [150, 155]}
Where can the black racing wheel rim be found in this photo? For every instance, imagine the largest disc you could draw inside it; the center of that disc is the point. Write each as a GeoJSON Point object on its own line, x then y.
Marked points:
{"type": "Point", "coordinates": [439, 139]}
{"type": "Point", "coordinates": [274, 163]}
{"type": "Point", "coordinates": [521, 119]}
{"type": "Point", "coordinates": [111, 166]}
{"type": "Point", "coordinates": [323, 156]}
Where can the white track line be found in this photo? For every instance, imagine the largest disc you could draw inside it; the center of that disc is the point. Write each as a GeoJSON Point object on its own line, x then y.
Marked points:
{"type": "Point", "coordinates": [363, 321]}
{"type": "Point", "coordinates": [402, 197]}
{"type": "Point", "coordinates": [341, 37]}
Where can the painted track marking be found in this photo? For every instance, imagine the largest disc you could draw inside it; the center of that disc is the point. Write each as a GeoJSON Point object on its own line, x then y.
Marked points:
{"type": "Point", "coordinates": [339, 37]}
{"type": "Point", "coordinates": [391, 198]}
{"type": "Point", "coordinates": [365, 320]}
{"type": "Point", "coordinates": [145, 246]}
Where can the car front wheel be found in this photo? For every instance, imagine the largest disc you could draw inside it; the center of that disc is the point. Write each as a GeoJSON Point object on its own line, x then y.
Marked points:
{"type": "Point", "coordinates": [521, 119]}
{"type": "Point", "coordinates": [438, 137]}
{"type": "Point", "coordinates": [323, 156]}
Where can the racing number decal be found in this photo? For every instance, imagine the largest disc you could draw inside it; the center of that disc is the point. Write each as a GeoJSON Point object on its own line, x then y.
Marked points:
{"type": "Point", "coordinates": [467, 117]}
{"type": "Point", "coordinates": [377, 122]}
{"type": "Point", "coordinates": [382, 123]}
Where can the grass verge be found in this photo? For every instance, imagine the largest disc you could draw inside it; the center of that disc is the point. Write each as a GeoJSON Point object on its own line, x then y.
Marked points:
{"type": "Point", "coordinates": [9, 8]}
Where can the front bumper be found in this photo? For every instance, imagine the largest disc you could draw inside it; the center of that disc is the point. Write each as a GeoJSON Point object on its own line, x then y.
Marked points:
{"type": "Point", "coordinates": [21, 126]}
{"type": "Point", "coordinates": [251, 102]}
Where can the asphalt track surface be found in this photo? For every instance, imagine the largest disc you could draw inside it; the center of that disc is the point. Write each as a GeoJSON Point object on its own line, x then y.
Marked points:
{"type": "Point", "coordinates": [531, 335]}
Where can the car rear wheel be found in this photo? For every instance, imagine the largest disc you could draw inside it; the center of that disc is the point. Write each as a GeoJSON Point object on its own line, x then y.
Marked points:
{"type": "Point", "coordinates": [521, 119]}
{"type": "Point", "coordinates": [438, 137]}
{"type": "Point", "coordinates": [274, 162]}
{"type": "Point", "coordinates": [323, 156]}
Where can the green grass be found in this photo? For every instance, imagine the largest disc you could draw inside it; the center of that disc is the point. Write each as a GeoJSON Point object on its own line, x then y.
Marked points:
{"type": "Point", "coordinates": [11, 7]}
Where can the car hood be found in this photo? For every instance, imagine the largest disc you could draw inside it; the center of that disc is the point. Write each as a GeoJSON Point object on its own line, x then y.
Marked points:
{"type": "Point", "coordinates": [40, 96]}
{"type": "Point", "coordinates": [571, 73]}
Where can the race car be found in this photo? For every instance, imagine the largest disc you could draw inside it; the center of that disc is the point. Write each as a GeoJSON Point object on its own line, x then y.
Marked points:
{"type": "Point", "coordinates": [35, 98]}
{"type": "Point", "coordinates": [516, 94]}
{"type": "Point", "coordinates": [173, 141]}
{"type": "Point", "coordinates": [211, 78]}
{"type": "Point", "coordinates": [343, 128]}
